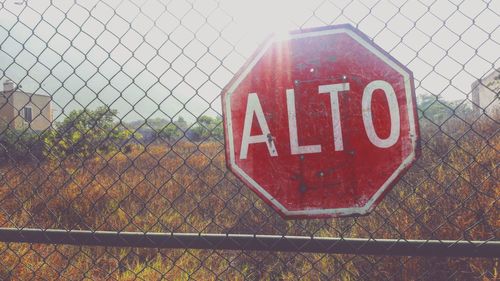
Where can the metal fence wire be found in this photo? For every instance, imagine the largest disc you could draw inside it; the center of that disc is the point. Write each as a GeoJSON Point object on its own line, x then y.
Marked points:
{"type": "Point", "coordinates": [112, 161]}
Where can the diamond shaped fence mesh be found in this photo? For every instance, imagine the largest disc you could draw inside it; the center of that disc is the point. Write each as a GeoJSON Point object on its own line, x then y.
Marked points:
{"type": "Point", "coordinates": [112, 163]}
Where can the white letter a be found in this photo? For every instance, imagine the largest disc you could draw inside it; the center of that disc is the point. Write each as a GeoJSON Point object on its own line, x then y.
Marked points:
{"type": "Point", "coordinates": [253, 106]}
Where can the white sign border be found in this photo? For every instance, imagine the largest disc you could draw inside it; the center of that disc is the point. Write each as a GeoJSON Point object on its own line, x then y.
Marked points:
{"type": "Point", "coordinates": [337, 211]}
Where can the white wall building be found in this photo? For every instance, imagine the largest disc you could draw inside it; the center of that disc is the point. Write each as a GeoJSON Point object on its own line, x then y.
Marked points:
{"type": "Point", "coordinates": [486, 93]}
{"type": "Point", "coordinates": [19, 109]}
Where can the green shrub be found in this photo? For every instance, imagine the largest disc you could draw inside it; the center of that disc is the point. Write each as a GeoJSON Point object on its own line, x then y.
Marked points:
{"type": "Point", "coordinates": [85, 132]}
{"type": "Point", "coordinates": [207, 128]}
{"type": "Point", "coordinates": [21, 145]}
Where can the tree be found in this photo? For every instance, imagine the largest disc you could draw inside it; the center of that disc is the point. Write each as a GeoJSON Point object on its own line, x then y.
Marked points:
{"type": "Point", "coordinates": [207, 127]}
{"type": "Point", "coordinates": [170, 132]}
{"type": "Point", "coordinates": [85, 132]}
{"type": "Point", "coordinates": [434, 109]}
{"type": "Point", "coordinates": [494, 85]}
{"type": "Point", "coordinates": [181, 123]}
{"type": "Point", "coordinates": [20, 144]}
{"type": "Point", "coordinates": [438, 111]}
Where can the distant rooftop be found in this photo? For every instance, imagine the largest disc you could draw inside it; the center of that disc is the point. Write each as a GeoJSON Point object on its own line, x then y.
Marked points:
{"type": "Point", "coordinates": [9, 86]}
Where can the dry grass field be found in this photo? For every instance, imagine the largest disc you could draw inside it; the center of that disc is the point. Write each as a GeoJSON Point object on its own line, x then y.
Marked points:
{"type": "Point", "coordinates": [451, 193]}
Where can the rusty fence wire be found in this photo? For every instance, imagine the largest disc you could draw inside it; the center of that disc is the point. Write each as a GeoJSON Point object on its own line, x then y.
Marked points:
{"type": "Point", "coordinates": [112, 161]}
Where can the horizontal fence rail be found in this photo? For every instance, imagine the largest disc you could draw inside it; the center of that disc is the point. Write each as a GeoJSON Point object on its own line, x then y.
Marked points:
{"type": "Point", "coordinates": [248, 242]}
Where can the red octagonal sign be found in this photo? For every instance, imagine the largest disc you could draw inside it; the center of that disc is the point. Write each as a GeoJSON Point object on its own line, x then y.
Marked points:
{"type": "Point", "coordinates": [320, 122]}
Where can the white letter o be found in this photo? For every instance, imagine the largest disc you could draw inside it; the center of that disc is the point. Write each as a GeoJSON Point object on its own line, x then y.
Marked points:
{"type": "Point", "coordinates": [393, 111]}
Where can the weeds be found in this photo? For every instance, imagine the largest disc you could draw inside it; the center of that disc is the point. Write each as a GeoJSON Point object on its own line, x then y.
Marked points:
{"type": "Point", "coordinates": [451, 193]}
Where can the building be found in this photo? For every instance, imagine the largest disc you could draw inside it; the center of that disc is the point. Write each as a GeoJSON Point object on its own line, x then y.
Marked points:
{"type": "Point", "coordinates": [19, 109]}
{"type": "Point", "coordinates": [486, 93]}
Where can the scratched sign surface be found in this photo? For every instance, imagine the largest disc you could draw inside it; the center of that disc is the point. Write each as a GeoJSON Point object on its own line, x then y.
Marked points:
{"type": "Point", "coordinates": [320, 123]}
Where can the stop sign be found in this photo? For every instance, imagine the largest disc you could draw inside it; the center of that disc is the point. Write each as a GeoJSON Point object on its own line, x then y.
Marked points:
{"type": "Point", "coordinates": [321, 122]}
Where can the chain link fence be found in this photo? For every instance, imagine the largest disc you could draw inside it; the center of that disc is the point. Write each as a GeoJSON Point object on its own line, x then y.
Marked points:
{"type": "Point", "coordinates": [112, 161]}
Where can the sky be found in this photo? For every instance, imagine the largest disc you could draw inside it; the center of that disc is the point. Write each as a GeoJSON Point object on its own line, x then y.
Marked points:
{"type": "Point", "coordinates": [164, 59]}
